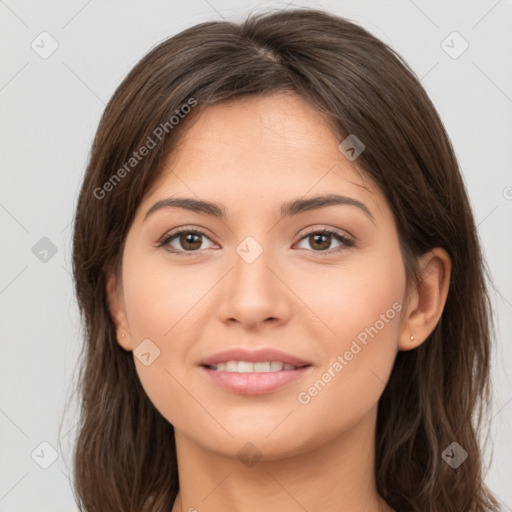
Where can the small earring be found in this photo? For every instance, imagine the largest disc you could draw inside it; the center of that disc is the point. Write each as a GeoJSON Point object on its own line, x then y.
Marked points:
{"type": "Point", "coordinates": [122, 335]}
{"type": "Point", "coordinates": [412, 338]}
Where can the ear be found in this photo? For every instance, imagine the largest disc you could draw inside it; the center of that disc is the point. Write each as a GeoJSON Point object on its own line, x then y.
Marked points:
{"type": "Point", "coordinates": [426, 302]}
{"type": "Point", "coordinates": [117, 310]}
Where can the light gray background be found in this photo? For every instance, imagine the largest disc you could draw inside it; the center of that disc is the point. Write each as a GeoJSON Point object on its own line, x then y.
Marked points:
{"type": "Point", "coordinates": [50, 111]}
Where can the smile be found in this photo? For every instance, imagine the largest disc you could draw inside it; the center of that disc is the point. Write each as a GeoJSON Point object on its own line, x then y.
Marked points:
{"type": "Point", "coordinates": [250, 367]}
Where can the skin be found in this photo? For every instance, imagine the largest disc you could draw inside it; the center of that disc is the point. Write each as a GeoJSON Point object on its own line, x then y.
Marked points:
{"type": "Point", "coordinates": [251, 155]}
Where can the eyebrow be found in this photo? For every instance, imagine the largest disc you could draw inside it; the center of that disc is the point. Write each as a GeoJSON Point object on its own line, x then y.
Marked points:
{"type": "Point", "coordinates": [289, 208]}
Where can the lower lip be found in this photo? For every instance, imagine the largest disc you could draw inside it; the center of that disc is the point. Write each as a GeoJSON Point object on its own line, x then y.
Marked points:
{"type": "Point", "coordinates": [255, 383]}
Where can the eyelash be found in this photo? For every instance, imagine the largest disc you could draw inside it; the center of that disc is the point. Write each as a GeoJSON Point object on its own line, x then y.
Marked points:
{"type": "Point", "coordinates": [347, 242]}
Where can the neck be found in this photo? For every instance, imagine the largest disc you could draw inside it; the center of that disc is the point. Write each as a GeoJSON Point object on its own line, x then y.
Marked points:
{"type": "Point", "coordinates": [337, 476]}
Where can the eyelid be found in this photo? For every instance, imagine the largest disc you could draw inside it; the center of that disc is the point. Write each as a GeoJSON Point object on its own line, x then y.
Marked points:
{"type": "Point", "coordinates": [319, 228]}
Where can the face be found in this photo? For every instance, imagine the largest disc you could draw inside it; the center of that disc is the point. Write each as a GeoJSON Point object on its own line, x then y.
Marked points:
{"type": "Point", "coordinates": [322, 283]}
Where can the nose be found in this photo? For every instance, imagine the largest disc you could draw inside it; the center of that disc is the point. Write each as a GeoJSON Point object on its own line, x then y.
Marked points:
{"type": "Point", "coordinates": [253, 294]}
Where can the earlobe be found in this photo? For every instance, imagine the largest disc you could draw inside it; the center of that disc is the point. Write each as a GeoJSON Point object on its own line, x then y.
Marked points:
{"type": "Point", "coordinates": [117, 311]}
{"type": "Point", "coordinates": [428, 301]}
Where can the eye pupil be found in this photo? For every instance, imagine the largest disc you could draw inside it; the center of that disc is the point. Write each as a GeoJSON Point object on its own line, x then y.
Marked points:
{"type": "Point", "coordinates": [317, 236]}
{"type": "Point", "coordinates": [185, 241]}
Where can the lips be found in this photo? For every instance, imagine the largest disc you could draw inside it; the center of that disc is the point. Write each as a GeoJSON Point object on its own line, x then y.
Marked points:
{"type": "Point", "coordinates": [254, 356]}
{"type": "Point", "coordinates": [254, 372]}
{"type": "Point", "coordinates": [254, 383]}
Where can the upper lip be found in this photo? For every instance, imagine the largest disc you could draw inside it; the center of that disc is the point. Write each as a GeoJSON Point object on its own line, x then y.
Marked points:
{"type": "Point", "coordinates": [254, 356]}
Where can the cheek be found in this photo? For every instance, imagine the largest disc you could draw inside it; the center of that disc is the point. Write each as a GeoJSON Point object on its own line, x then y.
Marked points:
{"type": "Point", "coordinates": [356, 297]}
{"type": "Point", "coordinates": [162, 305]}
{"type": "Point", "coordinates": [159, 298]}
{"type": "Point", "coordinates": [362, 306]}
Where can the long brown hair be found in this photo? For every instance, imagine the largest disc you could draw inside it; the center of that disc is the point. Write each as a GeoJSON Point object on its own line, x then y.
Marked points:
{"type": "Point", "coordinates": [437, 394]}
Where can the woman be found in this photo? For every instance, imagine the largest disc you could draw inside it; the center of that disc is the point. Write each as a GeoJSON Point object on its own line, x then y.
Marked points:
{"type": "Point", "coordinates": [281, 282]}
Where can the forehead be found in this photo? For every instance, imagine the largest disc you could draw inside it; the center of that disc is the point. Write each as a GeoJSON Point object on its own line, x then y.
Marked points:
{"type": "Point", "coordinates": [276, 146]}
{"type": "Point", "coordinates": [281, 126]}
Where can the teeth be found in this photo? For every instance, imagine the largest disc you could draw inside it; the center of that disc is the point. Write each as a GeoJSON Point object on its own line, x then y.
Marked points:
{"type": "Point", "coordinates": [231, 366]}
{"type": "Point", "coordinates": [245, 367]}
{"type": "Point", "coordinates": [248, 367]}
{"type": "Point", "coordinates": [261, 367]}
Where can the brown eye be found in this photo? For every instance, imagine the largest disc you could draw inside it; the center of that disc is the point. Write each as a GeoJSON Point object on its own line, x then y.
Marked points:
{"type": "Point", "coordinates": [320, 241]}
{"type": "Point", "coordinates": [190, 241]}
{"type": "Point", "coordinates": [184, 241]}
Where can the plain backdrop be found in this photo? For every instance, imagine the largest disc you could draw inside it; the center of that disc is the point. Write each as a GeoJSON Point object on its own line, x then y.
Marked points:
{"type": "Point", "coordinates": [50, 108]}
